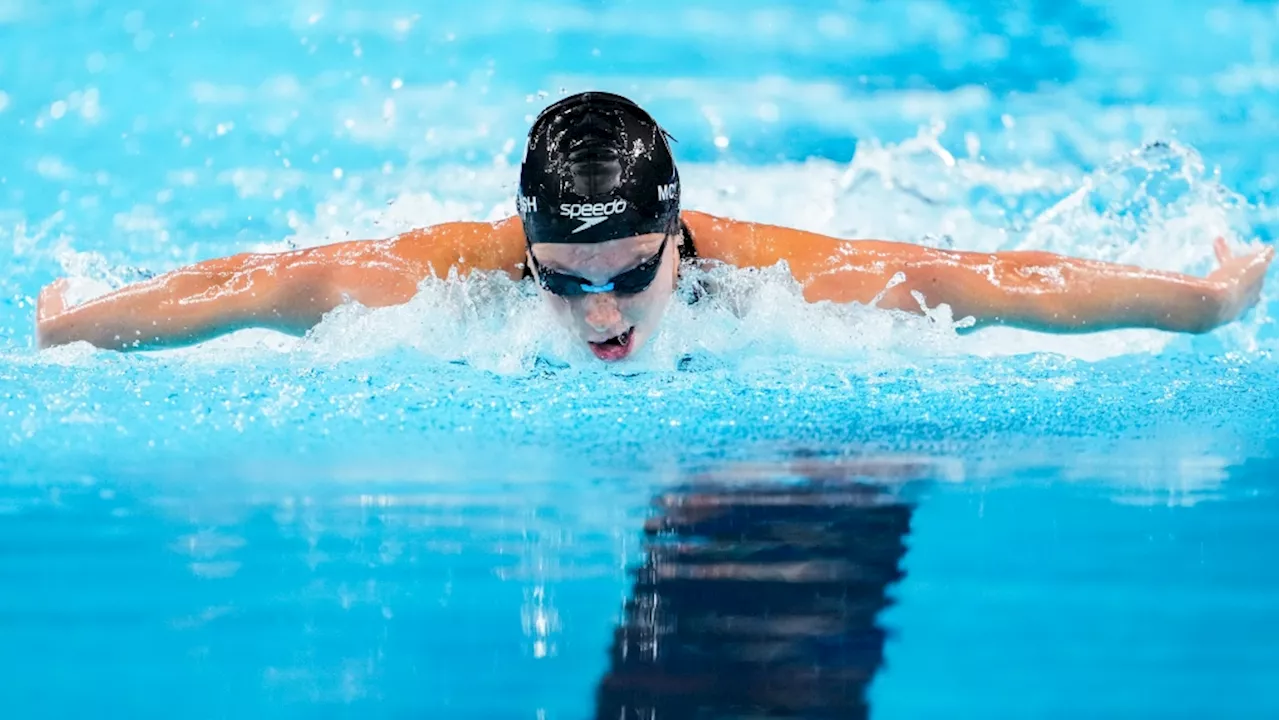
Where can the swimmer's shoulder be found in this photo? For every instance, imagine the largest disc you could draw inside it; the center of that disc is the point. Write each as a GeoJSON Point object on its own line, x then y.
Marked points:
{"type": "Point", "coordinates": [749, 244]}
{"type": "Point", "coordinates": [465, 246]}
{"type": "Point", "coordinates": [712, 237]}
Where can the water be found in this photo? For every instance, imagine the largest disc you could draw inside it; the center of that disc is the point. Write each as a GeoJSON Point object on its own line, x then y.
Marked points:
{"type": "Point", "coordinates": [449, 510]}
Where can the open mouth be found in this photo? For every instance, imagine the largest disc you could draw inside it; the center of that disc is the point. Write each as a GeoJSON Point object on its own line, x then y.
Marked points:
{"type": "Point", "coordinates": [615, 348]}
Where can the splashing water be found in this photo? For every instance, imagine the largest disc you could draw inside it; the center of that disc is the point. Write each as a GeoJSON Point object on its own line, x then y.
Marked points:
{"type": "Point", "coordinates": [370, 519]}
{"type": "Point", "coordinates": [1156, 206]}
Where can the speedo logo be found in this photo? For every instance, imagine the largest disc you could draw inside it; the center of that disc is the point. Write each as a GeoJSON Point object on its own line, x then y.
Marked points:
{"type": "Point", "coordinates": [592, 214]}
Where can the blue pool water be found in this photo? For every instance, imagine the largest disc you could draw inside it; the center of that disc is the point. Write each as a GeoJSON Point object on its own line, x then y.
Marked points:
{"type": "Point", "coordinates": [448, 510]}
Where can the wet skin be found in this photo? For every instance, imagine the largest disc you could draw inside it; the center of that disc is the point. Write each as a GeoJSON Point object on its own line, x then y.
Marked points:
{"type": "Point", "coordinates": [292, 291]}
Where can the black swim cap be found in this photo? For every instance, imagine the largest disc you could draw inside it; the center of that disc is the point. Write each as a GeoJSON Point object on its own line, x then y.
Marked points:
{"type": "Point", "coordinates": [597, 168]}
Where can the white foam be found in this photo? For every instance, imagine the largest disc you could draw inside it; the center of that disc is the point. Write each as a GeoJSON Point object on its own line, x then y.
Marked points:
{"type": "Point", "coordinates": [1155, 206]}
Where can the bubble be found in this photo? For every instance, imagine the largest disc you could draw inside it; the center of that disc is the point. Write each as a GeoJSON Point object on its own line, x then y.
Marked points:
{"type": "Point", "coordinates": [133, 21]}
{"type": "Point", "coordinates": [832, 25]}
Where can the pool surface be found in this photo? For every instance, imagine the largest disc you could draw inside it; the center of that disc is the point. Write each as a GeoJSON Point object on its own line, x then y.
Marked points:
{"type": "Point", "coordinates": [450, 510]}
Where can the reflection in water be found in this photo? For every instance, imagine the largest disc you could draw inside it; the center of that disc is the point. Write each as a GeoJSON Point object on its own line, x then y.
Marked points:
{"type": "Point", "coordinates": [759, 598]}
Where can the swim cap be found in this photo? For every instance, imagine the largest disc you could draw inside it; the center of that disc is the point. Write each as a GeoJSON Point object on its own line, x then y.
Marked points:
{"type": "Point", "coordinates": [597, 168]}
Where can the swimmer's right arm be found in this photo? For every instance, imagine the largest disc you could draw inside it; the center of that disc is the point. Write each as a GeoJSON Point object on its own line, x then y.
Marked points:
{"type": "Point", "coordinates": [289, 292]}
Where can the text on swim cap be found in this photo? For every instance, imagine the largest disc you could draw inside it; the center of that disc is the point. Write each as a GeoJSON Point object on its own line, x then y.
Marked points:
{"type": "Point", "coordinates": [583, 210]}
{"type": "Point", "coordinates": [670, 191]}
{"type": "Point", "coordinates": [526, 205]}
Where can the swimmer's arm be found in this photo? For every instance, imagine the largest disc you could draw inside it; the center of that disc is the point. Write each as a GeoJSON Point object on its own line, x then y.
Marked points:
{"type": "Point", "coordinates": [1047, 292]}
{"type": "Point", "coordinates": [1035, 290]}
{"type": "Point", "coordinates": [289, 292]}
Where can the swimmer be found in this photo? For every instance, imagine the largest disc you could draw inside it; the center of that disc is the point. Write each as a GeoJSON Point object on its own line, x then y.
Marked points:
{"type": "Point", "coordinates": [601, 233]}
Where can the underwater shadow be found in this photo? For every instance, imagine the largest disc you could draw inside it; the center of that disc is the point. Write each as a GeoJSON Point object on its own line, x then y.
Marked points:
{"type": "Point", "coordinates": [760, 591]}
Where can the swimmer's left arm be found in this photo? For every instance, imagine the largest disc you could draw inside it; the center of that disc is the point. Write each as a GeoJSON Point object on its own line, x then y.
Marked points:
{"type": "Point", "coordinates": [1035, 290]}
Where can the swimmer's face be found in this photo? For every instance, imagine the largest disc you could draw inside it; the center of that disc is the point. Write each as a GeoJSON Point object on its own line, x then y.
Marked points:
{"type": "Point", "coordinates": [614, 325]}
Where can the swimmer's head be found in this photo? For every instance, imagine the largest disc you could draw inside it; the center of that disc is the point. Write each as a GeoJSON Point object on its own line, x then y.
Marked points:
{"type": "Point", "coordinates": [600, 203]}
{"type": "Point", "coordinates": [597, 168]}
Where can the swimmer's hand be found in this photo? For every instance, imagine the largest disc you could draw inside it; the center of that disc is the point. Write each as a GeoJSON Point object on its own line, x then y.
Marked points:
{"type": "Point", "coordinates": [1237, 283]}
{"type": "Point", "coordinates": [51, 302]}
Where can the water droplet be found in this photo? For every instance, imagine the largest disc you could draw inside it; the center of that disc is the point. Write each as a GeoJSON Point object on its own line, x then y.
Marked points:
{"type": "Point", "coordinates": [133, 21]}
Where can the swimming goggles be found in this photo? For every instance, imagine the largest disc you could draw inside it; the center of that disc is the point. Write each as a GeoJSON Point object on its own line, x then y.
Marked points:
{"type": "Point", "coordinates": [629, 282]}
